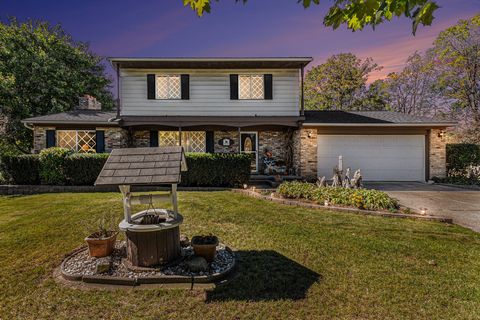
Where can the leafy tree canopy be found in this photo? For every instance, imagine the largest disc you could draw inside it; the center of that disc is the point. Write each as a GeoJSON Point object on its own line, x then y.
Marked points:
{"type": "Point", "coordinates": [356, 14]}
{"type": "Point", "coordinates": [43, 70]}
{"type": "Point", "coordinates": [341, 84]}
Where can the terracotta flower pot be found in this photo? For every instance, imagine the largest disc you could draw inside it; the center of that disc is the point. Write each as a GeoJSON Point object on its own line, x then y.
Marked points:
{"type": "Point", "coordinates": [101, 247]}
{"type": "Point", "coordinates": [205, 250]}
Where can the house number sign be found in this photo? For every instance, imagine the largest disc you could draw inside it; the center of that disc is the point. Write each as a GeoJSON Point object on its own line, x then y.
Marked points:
{"type": "Point", "coordinates": [225, 142]}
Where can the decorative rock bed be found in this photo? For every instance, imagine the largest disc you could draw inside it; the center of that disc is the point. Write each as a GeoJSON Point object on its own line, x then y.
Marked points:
{"type": "Point", "coordinates": [114, 269]}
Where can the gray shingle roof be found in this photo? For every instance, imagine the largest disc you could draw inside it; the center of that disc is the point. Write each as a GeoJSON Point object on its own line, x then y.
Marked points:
{"type": "Point", "coordinates": [75, 117]}
{"type": "Point", "coordinates": [143, 166]}
{"type": "Point", "coordinates": [370, 117]}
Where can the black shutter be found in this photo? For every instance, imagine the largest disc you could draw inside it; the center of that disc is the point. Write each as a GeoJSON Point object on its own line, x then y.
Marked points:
{"type": "Point", "coordinates": [268, 86]}
{"type": "Point", "coordinates": [210, 142]}
{"type": "Point", "coordinates": [50, 138]}
{"type": "Point", "coordinates": [185, 86]}
{"type": "Point", "coordinates": [154, 138]}
{"type": "Point", "coordinates": [234, 87]}
{"type": "Point", "coordinates": [100, 141]}
{"type": "Point", "coordinates": [150, 86]}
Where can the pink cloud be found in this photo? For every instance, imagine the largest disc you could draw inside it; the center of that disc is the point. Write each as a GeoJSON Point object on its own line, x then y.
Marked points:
{"type": "Point", "coordinates": [142, 36]}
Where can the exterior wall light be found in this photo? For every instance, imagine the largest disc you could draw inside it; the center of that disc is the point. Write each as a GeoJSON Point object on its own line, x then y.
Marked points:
{"type": "Point", "coordinates": [423, 211]}
{"type": "Point", "coordinates": [441, 134]}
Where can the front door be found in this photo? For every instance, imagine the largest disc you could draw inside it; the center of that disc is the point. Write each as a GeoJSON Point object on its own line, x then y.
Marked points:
{"type": "Point", "coordinates": [248, 144]}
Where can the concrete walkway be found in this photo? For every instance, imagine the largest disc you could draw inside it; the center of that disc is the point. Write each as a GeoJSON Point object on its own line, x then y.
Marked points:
{"type": "Point", "coordinates": [459, 204]}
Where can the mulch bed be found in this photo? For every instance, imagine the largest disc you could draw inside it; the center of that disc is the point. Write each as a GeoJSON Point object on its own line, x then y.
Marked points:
{"type": "Point", "coordinates": [79, 266]}
{"type": "Point", "coordinates": [305, 204]}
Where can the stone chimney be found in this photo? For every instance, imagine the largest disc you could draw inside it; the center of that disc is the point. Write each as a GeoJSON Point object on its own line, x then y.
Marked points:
{"type": "Point", "coordinates": [88, 102]}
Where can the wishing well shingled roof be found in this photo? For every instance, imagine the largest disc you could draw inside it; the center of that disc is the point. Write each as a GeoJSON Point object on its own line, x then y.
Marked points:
{"type": "Point", "coordinates": [143, 166]}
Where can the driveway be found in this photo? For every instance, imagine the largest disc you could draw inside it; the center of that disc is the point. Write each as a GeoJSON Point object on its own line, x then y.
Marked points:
{"type": "Point", "coordinates": [459, 204]}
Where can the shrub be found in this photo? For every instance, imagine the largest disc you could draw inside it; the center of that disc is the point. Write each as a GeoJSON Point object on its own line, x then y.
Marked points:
{"type": "Point", "coordinates": [216, 169]}
{"type": "Point", "coordinates": [83, 168]}
{"type": "Point", "coordinates": [358, 198]}
{"type": "Point", "coordinates": [462, 155]}
{"type": "Point", "coordinates": [52, 165]}
{"type": "Point", "coordinates": [20, 169]}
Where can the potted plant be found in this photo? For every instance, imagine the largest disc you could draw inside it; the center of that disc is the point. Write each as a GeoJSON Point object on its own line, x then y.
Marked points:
{"type": "Point", "coordinates": [101, 241]}
{"type": "Point", "coordinates": [205, 246]}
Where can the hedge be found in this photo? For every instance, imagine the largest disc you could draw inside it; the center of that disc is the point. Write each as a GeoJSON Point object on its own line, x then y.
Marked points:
{"type": "Point", "coordinates": [62, 167]}
{"type": "Point", "coordinates": [462, 155]}
{"type": "Point", "coordinates": [20, 169]}
{"type": "Point", "coordinates": [216, 170]}
{"type": "Point", "coordinates": [82, 169]}
{"type": "Point", "coordinates": [358, 198]}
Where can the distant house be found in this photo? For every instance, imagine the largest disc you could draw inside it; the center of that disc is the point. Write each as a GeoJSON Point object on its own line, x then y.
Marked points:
{"type": "Point", "coordinates": [248, 105]}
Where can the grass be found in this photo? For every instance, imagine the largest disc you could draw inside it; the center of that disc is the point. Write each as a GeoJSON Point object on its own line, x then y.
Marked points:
{"type": "Point", "coordinates": [295, 263]}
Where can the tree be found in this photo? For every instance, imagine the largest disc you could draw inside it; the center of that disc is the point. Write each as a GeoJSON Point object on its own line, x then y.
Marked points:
{"type": "Point", "coordinates": [457, 54]}
{"type": "Point", "coordinates": [357, 14]}
{"type": "Point", "coordinates": [43, 70]}
{"type": "Point", "coordinates": [414, 89]}
{"type": "Point", "coordinates": [339, 84]}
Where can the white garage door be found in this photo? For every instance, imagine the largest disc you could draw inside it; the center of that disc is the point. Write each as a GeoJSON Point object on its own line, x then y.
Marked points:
{"type": "Point", "coordinates": [380, 157]}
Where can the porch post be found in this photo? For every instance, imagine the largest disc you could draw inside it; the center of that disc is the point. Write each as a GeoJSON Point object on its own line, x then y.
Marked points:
{"type": "Point", "coordinates": [179, 136]}
{"type": "Point", "coordinates": [239, 141]}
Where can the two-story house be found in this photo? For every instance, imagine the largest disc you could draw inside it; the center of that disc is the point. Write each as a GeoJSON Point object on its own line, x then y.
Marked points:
{"type": "Point", "coordinates": [249, 105]}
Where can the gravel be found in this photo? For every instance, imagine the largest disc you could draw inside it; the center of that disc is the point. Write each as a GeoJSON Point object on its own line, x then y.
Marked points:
{"type": "Point", "coordinates": [81, 264]}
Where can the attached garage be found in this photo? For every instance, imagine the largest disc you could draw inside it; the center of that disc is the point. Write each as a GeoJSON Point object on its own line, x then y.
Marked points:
{"type": "Point", "coordinates": [384, 145]}
{"type": "Point", "coordinates": [380, 157]}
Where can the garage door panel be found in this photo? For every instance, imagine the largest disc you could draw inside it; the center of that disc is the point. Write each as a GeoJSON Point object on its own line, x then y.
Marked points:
{"type": "Point", "coordinates": [380, 157]}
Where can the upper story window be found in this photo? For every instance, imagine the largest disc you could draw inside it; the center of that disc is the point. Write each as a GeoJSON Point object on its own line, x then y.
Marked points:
{"type": "Point", "coordinates": [250, 87]}
{"type": "Point", "coordinates": [77, 140]}
{"type": "Point", "coordinates": [168, 87]}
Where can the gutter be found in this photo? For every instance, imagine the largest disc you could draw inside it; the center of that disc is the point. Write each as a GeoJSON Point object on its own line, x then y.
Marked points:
{"type": "Point", "coordinates": [410, 124]}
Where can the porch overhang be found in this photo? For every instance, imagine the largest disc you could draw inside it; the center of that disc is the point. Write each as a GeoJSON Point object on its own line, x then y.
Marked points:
{"type": "Point", "coordinates": [215, 121]}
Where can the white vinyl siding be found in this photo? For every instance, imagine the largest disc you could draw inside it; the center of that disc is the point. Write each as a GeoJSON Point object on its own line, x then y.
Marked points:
{"type": "Point", "coordinates": [210, 94]}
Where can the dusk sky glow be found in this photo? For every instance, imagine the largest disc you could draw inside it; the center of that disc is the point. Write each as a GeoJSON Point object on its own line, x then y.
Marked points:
{"type": "Point", "coordinates": [164, 28]}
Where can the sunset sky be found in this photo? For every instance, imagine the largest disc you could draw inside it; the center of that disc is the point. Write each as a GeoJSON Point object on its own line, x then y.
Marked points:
{"type": "Point", "coordinates": [164, 28]}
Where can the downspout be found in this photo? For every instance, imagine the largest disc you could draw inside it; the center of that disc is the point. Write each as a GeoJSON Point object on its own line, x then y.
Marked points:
{"type": "Point", "coordinates": [302, 99]}
{"type": "Point", "coordinates": [118, 91]}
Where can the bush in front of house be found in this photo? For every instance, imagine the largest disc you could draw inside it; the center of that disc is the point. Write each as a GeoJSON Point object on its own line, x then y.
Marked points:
{"type": "Point", "coordinates": [52, 162]}
{"type": "Point", "coordinates": [20, 169]}
{"type": "Point", "coordinates": [216, 170]}
{"type": "Point", "coordinates": [358, 198]}
{"type": "Point", "coordinates": [82, 169]}
{"type": "Point", "coordinates": [463, 164]}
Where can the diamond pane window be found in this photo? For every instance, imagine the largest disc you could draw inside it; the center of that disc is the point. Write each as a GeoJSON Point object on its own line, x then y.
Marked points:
{"type": "Point", "coordinates": [168, 138]}
{"type": "Point", "coordinates": [250, 87]}
{"type": "Point", "coordinates": [169, 87]}
{"type": "Point", "coordinates": [192, 141]}
{"type": "Point", "coordinates": [77, 140]}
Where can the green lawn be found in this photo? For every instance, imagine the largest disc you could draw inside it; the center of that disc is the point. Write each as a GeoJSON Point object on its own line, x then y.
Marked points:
{"type": "Point", "coordinates": [295, 263]}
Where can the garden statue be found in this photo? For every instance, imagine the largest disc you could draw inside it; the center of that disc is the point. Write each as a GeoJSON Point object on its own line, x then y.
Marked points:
{"type": "Point", "coordinates": [357, 180]}
{"type": "Point", "coordinates": [337, 177]}
{"type": "Point", "coordinates": [346, 181]}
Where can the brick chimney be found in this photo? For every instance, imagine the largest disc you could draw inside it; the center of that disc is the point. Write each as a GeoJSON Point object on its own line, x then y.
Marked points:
{"type": "Point", "coordinates": [87, 102]}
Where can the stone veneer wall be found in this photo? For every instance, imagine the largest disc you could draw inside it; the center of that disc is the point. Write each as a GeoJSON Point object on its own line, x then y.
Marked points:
{"type": "Point", "coordinates": [437, 154]}
{"type": "Point", "coordinates": [40, 138]}
{"type": "Point", "coordinates": [305, 152]}
{"type": "Point", "coordinates": [115, 138]}
{"type": "Point", "coordinates": [141, 139]}
{"type": "Point", "coordinates": [233, 148]}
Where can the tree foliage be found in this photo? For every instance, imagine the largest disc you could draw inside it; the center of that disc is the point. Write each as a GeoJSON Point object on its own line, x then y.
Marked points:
{"type": "Point", "coordinates": [339, 84]}
{"type": "Point", "coordinates": [414, 89]}
{"type": "Point", "coordinates": [457, 51]}
{"type": "Point", "coordinates": [43, 70]}
{"type": "Point", "coordinates": [356, 14]}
